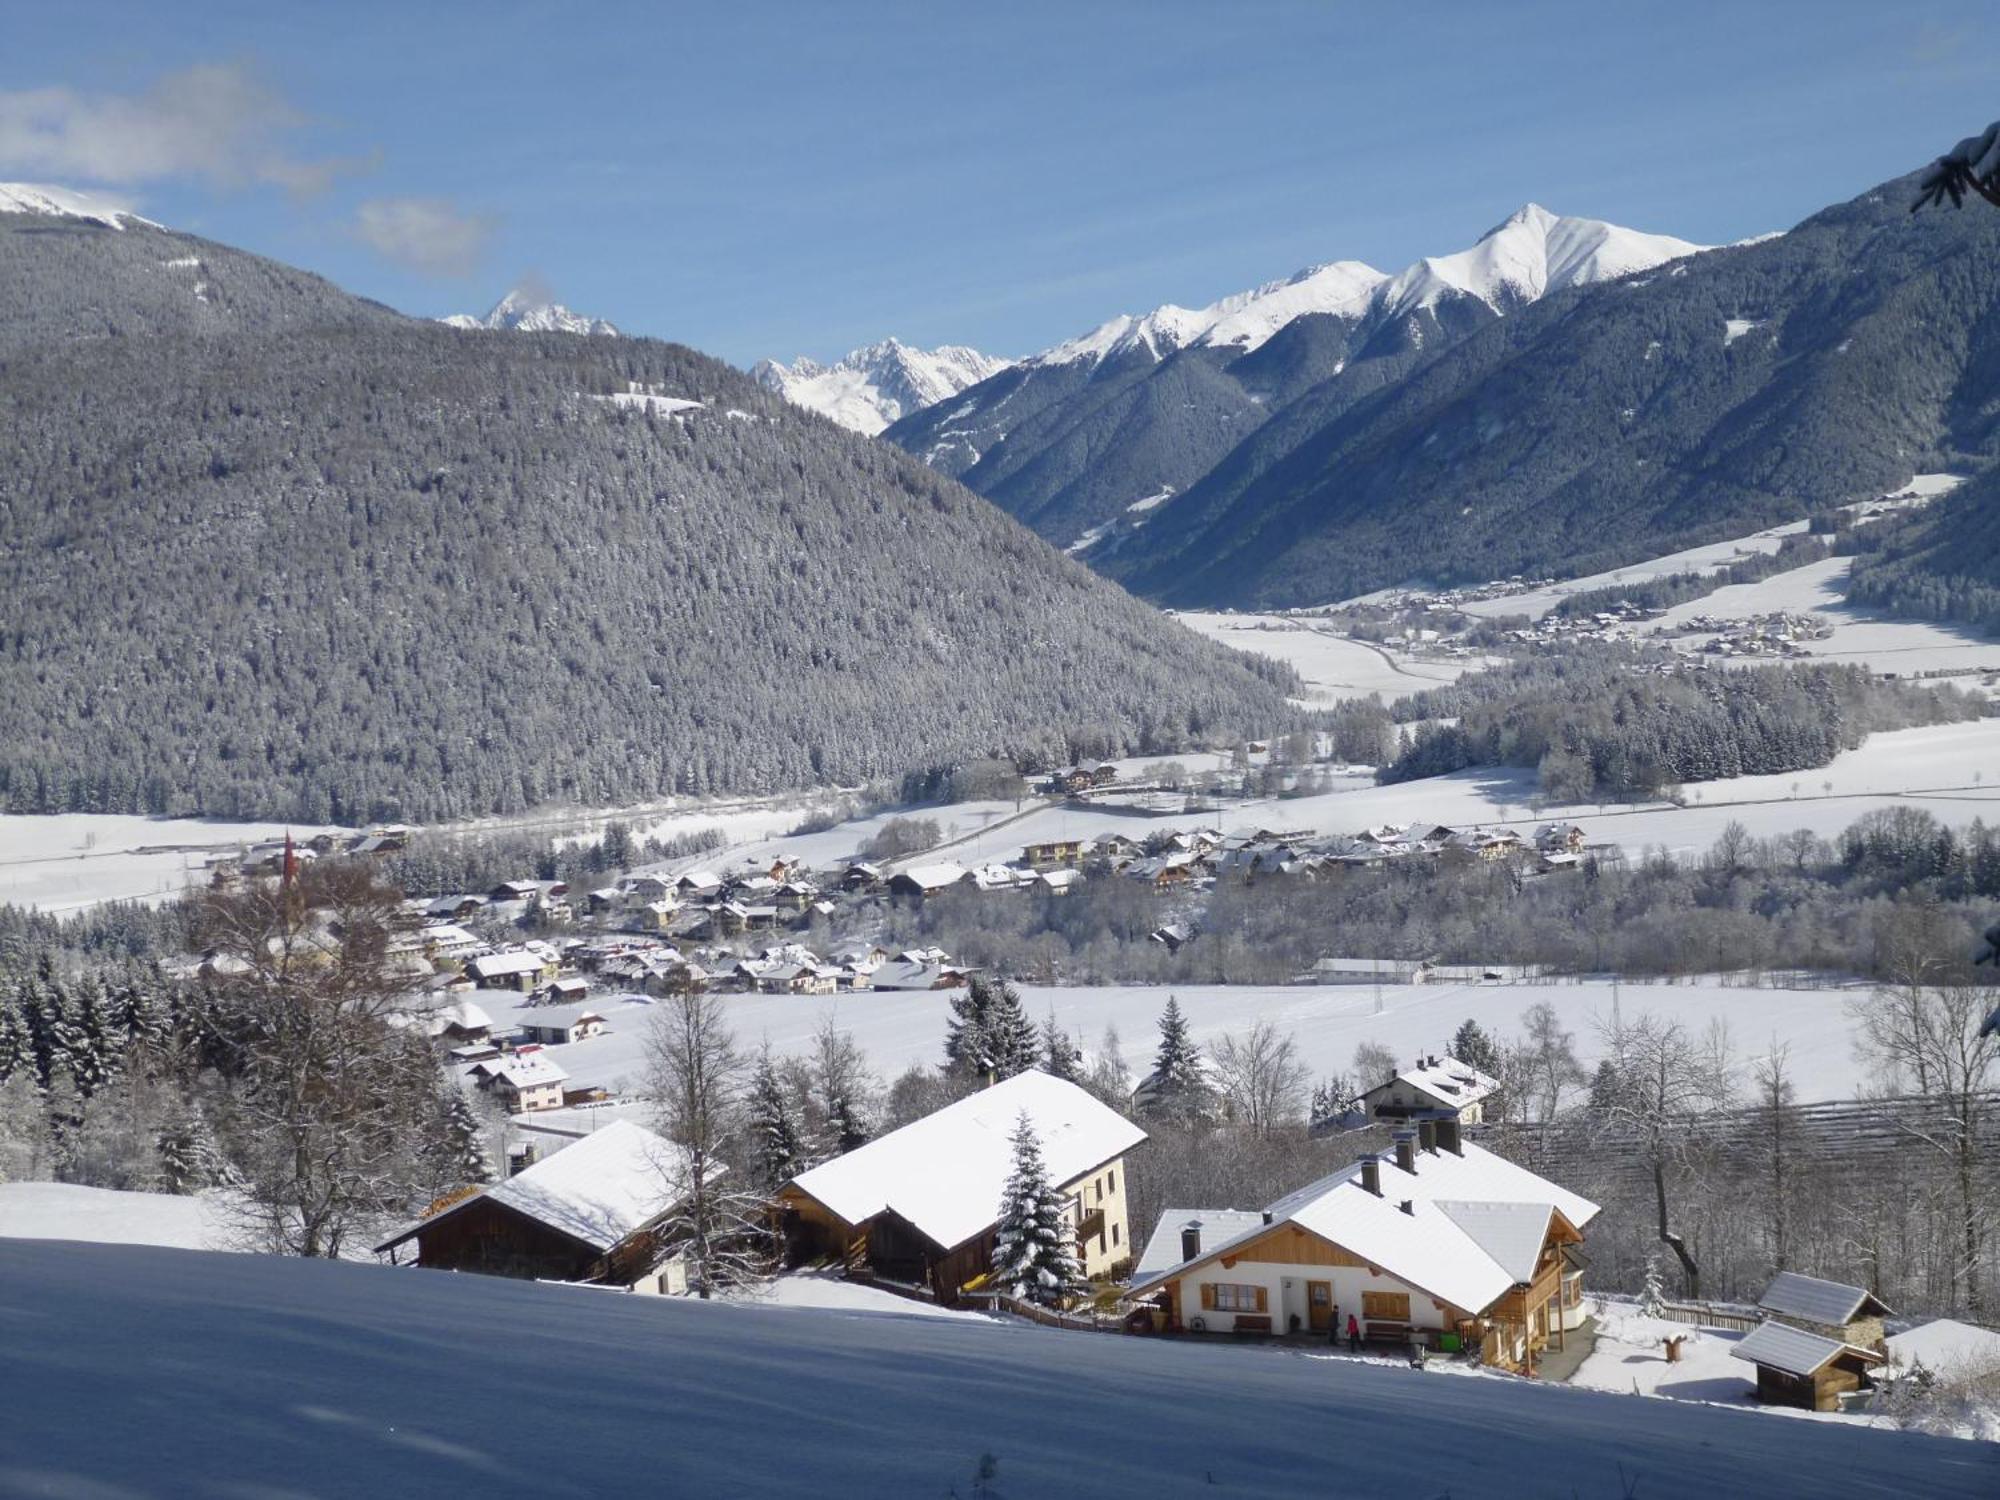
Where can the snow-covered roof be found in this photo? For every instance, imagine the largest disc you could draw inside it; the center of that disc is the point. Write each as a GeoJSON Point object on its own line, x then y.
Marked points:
{"type": "Point", "coordinates": [610, 1183]}
{"type": "Point", "coordinates": [1790, 1349]}
{"type": "Point", "coordinates": [1431, 1247]}
{"type": "Point", "coordinates": [524, 1070]}
{"type": "Point", "coordinates": [1944, 1345]}
{"type": "Point", "coordinates": [1163, 1249]}
{"type": "Point", "coordinates": [944, 1173]}
{"type": "Point", "coordinates": [1792, 1295]}
{"type": "Point", "coordinates": [1449, 1081]}
{"type": "Point", "coordinates": [506, 963]}
{"type": "Point", "coordinates": [1511, 1233]}
{"type": "Point", "coordinates": [935, 877]}
{"type": "Point", "coordinates": [552, 1016]}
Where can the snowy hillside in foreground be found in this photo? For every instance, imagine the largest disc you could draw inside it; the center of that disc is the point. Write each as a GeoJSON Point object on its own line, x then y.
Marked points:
{"type": "Point", "coordinates": [50, 201]}
{"type": "Point", "coordinates": [521, 311]}
{"type": "Point", "coordinates": [334, 1380]}
{"type": "Point", "coordinates": [872, 387]}
{"type": "Point", "coordinates": [1530, 254]}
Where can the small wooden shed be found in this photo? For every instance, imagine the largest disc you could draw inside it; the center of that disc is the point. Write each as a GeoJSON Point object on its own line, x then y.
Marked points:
{"type": "Point", "coordinates": [1831, 1309]}
{"type": "Point", "coordinates": [1796, 1368]}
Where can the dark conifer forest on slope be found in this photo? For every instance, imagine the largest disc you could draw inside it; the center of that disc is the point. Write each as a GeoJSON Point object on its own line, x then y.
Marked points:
{"type": "Point", "coordinates": [272, 550]}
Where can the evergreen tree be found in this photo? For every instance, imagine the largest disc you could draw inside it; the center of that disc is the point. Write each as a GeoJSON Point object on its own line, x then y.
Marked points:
{"type": "Point", "coordinates": [189, 1158]}
{"type": "Point", "coordinates": [777, 1138]}
{"type": "Point", "coordinates": [1471, 1044]}
{"type": "Point", "coordinates": [1653, 1295]}
{"type": "Point", "coordinates": [1034, 1249]}
{"type": "Point", "coordinates": [1061, 1058]}
{"type": "Point", "coordinates": [1179, 1084]}
{"type": "Point", "coordinates": [989, 1032]}
{"type": "Point", "coordinates": [462, 1140]}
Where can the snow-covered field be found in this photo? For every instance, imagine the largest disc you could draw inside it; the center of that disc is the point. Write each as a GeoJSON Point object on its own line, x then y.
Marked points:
{"type": "Point", "coordinates": [65, 861]}
{"type": "Point", "coordinates": [141, 1372]}
{"type": "Point", "coordinates": [64, 1211]}
{"type": "Point", "coordinates": [1706, 559]}
{"type": "Point", "coordinates": [896, 1030]}
{"type": "Point", "coordinates": [1884, 645]}
{"type": "Point", "coordinates": [1334, 667]}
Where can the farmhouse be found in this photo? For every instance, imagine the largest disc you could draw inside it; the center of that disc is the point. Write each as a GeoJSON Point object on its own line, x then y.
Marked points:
{"type": "Point", "coordinates": [921, 882]}
{"type": "Point", "coordinates": [517, 970]}
{"type": "Point", "coordinates": [1442, 1244]}
{"type": "Point", "coordinates": [921, 1204]}
{"type": "Point", "coordinates": [592, 1212]}
{"type": "Point", "coordinates": [558, 1024]}
{"type": "Point", "coordinates": [1436, 1087]}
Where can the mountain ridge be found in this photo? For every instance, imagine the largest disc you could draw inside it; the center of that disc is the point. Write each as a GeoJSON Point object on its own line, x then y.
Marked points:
{"type": "Point", "coordinates": [870, 387]}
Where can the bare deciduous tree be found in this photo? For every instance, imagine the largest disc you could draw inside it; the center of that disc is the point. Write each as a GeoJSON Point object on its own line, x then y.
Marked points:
{"type": "Point", "coordinates": [336, 1127]}
{"type": "Point", "coordinates": [1261, 1077]}
{"type": "Point", "coordinates": [695, 1072]}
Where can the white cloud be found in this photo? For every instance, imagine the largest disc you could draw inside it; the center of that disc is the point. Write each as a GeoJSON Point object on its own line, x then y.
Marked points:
{"type": "Point", "coordinates": [217, 122]}
{"type": "Point", "coordinates": [431, 235]}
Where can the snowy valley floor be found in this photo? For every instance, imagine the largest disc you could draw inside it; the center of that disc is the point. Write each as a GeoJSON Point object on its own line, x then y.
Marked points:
{"type": "Point", "coordinates": [143, 1372]}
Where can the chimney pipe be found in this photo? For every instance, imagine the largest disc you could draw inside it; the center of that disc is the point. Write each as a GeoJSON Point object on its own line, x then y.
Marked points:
{"type": "Point", "coordinates": [1427, 1136]}
{"type": "Point", "coordinates": [1447, 1132]}
{"type": "Point", "coordinates": [1408, 1207]}
{"type": "Point", "coordinates": [1371, 1174]}
{"type": "Point", "coordinates": [1267, 1216]}
{"type": "Point", "coordinates": [1191, 1240]}
{"type": "Point", "coordinates": [1406, 1151]}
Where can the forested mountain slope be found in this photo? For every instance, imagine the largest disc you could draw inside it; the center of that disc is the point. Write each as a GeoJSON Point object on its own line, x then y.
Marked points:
{"type": "Point", "coordinates": [1717, 395]}
{"type": "Point", "coordinates": [1085, 439]}
{"type": "Point", "coordinates": [282, 552]}
{"type": "Point", "coordinates": [1939, 563]}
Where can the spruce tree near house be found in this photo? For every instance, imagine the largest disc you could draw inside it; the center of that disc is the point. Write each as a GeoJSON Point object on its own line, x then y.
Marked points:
{"type": "Point", "coordinates": [1179, 1082]}
{"type": "Point", "coordinates": [777, 1135]}
{"type": "Point", "coordinates": [1034, 1249]}
{"type": "Point", "coordinates": [989, 1034]}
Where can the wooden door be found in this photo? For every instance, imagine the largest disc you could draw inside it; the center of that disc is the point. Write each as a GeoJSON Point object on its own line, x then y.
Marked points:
{"type": "Point", "coordinates": [1319, 1305]}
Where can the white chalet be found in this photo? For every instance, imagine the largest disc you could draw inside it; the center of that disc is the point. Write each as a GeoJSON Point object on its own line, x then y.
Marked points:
{"type": "Point", "coordinates": [1434, 1088]}
{"type": "Point", "coordinates": [1441, 1244]}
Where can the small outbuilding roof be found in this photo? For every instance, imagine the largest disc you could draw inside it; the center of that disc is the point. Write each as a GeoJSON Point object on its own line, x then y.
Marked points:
{"type": "Point", "coordinates": [1792, 1295]}
{"type": "Point", "coordinates": [1779, 1346]}
{"type": "Point", "coordinates": [1944, 1344]}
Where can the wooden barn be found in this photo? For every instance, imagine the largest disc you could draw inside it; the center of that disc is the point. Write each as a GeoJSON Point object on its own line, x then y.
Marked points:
{"type": "Point", "coordinates": [920, 1204]}
{"type": "Point", "coordinates": [1797, 1368]}
{"type": "Point", "coordinates": [592, 1212]}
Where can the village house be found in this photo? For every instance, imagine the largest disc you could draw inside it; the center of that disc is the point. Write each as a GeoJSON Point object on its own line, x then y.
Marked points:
{"type": "Point", "coordinates": [1440, 1244]}
{"type": "Point", "coordinates": [698, 885]}
{"type": "Point", "coordinates": [861, 877]}
{"type": "Point", "coordinates": [460, 1023]}
{"type": "Point", "coordinates": [1435, 1087]}
{"type": "Point", "coordinates": [657, 916]}
{"type": "Point", "coordinates": [525, 1080]}
{"type": "Point", "coordinates": [455, 908]}
{"type": "Point", "coordinates": [921, 1204]}
{"type": "Point", "coordinates": [1058, 882]}
{"type": "Point", "coordinates": [570, 991]}
{"type": "Point", "coordinates": [596, 1211]}
{"type": "Point", "coordinates": [640, 889]}
{"type": "Point", "coordinates": [518, 969]}
{"type": "Point", "coordinates": [921, 882]}
{"type": "Point", "coordinates": [557, 1025]}
{"type": "Point", "coordinates": [1055, 854]}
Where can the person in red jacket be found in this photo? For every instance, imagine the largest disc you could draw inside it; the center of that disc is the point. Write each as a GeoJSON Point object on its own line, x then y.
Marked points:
{"type": "Point", "coordinates": [1353, 1335]}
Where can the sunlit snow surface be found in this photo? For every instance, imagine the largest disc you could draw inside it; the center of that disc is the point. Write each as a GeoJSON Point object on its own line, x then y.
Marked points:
{"type": "Point", "coordinates": [142, 1372]}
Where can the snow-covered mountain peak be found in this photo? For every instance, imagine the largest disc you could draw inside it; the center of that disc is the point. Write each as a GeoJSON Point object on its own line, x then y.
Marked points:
{"type": "Point", "coordinates": [66, 203]}
{"type": "Point", "coordinates": [1526, 256]}
{"type": "Point", "coordinates": [874, 385]}
{"type": "Point", "coordinates": [524, 311]}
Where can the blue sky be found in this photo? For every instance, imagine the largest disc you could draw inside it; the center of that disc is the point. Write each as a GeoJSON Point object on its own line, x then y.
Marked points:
{"type": "Point", "coordinates": [771, 179]}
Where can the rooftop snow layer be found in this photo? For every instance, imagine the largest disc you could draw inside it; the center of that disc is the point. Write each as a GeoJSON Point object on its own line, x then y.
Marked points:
{"type": "Point", "coordinates": [1945, 1346]}
{"type": "Point", "coordinates": [1795, 1296]}
{"type": "Point", "coordinates": [1786, 1348]}
{"type": "Point", "coordinates": [1218, 1226]}
{"type": "Point", "coordinates": [945, 1173]}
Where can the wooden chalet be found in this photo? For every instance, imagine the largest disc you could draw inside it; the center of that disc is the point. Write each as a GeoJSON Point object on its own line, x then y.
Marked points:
{"type": "Point", "coordinates": [1441, 1244]}
{"type": "Point", "coordinates": [920, 1205]}
{"type": "Point", "coordinates": [594, 1211]}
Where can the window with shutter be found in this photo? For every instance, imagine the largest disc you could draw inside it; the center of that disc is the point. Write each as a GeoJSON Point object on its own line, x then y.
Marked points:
{"type": "Point", "coordinates": [1208, 1296]}
{"type": "Point", "coordinates": [1395, 1305]}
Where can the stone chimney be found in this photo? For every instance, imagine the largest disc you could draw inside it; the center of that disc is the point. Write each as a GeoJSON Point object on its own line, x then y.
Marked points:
{"type": "Point", "coordinates": [1406, 1151]}
{"type": "Point", "coordinates": [1371, 1174]}
{"type": "Point", "coordinates": [1447, 1133]}
{"type": "Point", "coordinates": [1191, 1239]}
{"type": "Point", "coordinates": [1427, 1136]}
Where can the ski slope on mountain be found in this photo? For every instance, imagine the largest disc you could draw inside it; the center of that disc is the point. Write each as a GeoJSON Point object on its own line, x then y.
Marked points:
{"type": "Point", "coordinates": [871, 387]}
{"type": "Point", "coordinates": [139, 1373]}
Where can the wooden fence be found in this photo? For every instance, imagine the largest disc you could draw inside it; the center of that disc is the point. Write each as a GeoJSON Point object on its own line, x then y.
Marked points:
{"type": "Point", "coordinates": [1086, 1322]}
{"type": "Point", "coordinates": [1706, 1315]}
